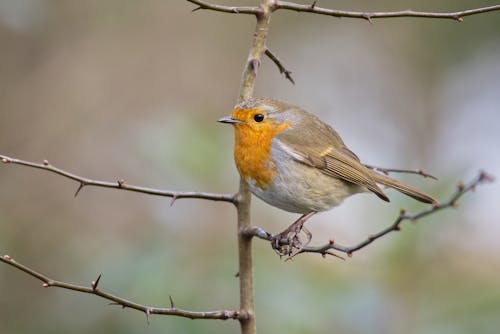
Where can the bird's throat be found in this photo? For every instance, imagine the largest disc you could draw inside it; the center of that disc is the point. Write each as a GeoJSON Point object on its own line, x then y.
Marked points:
{"type": "Point", "coordinates": [252, 152]}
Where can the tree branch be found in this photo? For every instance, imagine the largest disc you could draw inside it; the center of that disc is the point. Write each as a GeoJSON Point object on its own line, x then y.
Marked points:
{"type": "Point", "coordinates": [224, 9]}
{"type": "Point", "coordinates": [115, 300]}
{"type": "Point", "coordinates": [386, 171]}
{"type": "Point", "coordinates": [281, 67]}
{"type": "Point", "coordinates": [395, 226]}
{"type": "Point", "coordinates": [458, 16]}
{"type": "Point", "coordinates": [369, 16]}
{"type": "Point", "coordinates": [245, 273]}
{"type": "Point", "coordinates": [120, 184]}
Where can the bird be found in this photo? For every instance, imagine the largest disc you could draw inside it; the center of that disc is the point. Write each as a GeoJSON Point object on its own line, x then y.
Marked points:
{"type": "Point", "coordinates": [294, 161]}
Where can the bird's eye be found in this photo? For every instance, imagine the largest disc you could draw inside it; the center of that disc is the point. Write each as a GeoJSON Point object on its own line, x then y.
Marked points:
{"type": "Point", "coordinates": [258, 117]}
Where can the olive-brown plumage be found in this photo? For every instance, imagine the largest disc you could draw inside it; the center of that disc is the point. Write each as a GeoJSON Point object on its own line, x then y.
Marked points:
{"type": "Point", "coordinates": [294, 161]}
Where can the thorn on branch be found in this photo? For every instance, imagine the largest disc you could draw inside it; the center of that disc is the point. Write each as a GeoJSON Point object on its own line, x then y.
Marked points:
{"type": "Point", "coordinates": [460, 19]}
{"type": "Point", "coordinates": [174, 198]}
{"type": "Point", "coordinates": [196, 9]}
{"type": "Point", "coordinates": [368, 18]}
{"type": "Point", "coordinates": [121, 183]}
{"type": "Point", "coordinates": [172, 305]}
{"type": "Point", "coordinates": [313, 4]}
{"type": "Point", "coordinates": [80, 187]}
{"type": "Point", "coordinates": [95, 283]}
{"type": "Point", "coordinates": [148, 315]}
{"type": "Point", "coordinates": [118, 304]}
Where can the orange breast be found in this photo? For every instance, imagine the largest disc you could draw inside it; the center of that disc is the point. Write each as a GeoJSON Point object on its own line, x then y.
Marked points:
{"type": "Point", "coordinates": [252, 152]}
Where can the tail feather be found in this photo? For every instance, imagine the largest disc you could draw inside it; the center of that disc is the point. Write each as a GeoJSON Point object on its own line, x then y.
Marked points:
{"type": "Point", "coordinates": [401, 187]}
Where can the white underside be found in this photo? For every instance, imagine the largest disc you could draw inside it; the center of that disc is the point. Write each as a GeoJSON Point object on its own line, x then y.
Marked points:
{"type": "Point", "coordinates": [293, 192]}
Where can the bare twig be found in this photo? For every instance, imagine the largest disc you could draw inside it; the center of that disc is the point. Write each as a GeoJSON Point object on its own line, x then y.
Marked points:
{"type": "Point", "coordinates": [395, 226]}
{"type": "Point", "coordinates": [115, 300]}
{"type": "Point", "coordinates": [368, 16]}
{"type": "Point", "coordinates": [405, 171]}
{"type": "Point", "coordinates": [281, 67]}
{"type": "Point", "coordinates": [120, 184]}
{"type": "Point", "coordinates": [224, 9]}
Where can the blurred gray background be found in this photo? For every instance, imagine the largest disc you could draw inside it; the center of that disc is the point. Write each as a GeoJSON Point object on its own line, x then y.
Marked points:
{"type": "Point", "coordinates": [132, 89]}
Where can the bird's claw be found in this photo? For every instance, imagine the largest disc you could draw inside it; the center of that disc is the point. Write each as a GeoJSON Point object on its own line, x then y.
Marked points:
{"type": "Point", "coordinates": [289, 243]}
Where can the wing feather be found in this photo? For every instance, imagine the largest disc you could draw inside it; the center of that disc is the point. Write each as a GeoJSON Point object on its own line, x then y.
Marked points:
{"type": "Point", "coordinates": [337, 163]}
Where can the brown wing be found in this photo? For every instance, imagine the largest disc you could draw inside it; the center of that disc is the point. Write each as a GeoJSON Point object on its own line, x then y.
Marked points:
{"type": "Point", "coordinates": [318, 145]}
{"type": "Point", "coordinates": [336, 162]}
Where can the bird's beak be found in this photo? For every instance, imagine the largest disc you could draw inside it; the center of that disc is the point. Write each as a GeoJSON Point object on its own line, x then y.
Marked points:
{"type": "Point", "coordinates": [229, 120]}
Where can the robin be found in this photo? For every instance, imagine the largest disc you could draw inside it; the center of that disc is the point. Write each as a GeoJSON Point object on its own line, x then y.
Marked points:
{"type": "Point", "coordinates": [294, 161]}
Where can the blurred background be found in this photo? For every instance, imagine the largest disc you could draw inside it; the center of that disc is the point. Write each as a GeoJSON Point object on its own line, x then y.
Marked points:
{"type": "Point", "coordinates": [132, 89]}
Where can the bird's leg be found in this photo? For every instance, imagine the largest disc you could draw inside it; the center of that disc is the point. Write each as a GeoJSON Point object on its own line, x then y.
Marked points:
{"type": "Point", "coordinates": [286, 242]}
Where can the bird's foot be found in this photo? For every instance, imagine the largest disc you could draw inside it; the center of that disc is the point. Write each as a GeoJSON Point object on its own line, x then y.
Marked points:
{"type": "Point", "coordinates": [289, 242]}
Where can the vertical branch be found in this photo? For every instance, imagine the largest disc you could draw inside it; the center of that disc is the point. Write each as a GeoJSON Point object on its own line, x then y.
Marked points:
{"type": "Point", "coordinates": [248, 325]}
{"type": "Point", "coordinates": [256, 50]}
{"type": "Point", "coordinates": [245, 261]}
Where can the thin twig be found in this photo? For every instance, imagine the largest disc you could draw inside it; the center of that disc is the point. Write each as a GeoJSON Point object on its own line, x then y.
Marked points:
{"type": "Point", "coordinates": [120, 184]}
{"type": "Point", "coordinates": [405, 171]}
{"type": "Point", "coordinates": [281, 67]}
{"type": "Point", "coordinates": [115, 300]}
{"type": "Point", "coordinates": [458, 16]}
{"type": "Point", "coordinates": [368, 16]}
{"type": "Point", "coordinates": [224, 9]}
{"type": "Point", "coordinates": [483, 177]}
